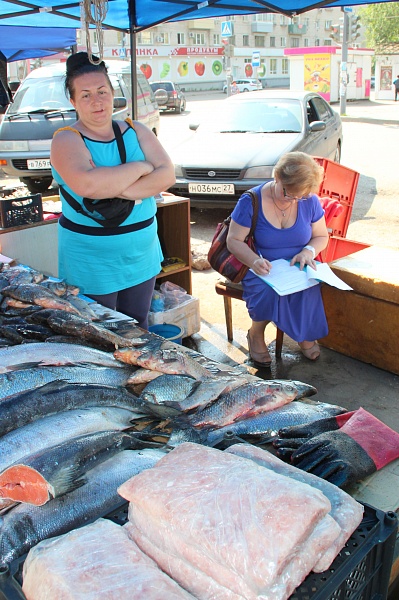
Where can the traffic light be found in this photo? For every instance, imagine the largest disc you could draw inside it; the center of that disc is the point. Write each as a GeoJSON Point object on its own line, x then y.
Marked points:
{"type": "Point", "coordinates": [227, 50]}
{"type": "Point", "coordinates": [335, 33]}
{"type": "Point", "coordinates": [354, 27]}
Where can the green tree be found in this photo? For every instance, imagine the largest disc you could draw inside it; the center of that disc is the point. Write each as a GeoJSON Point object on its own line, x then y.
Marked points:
{"type": "Point", "coordinates": [381, 23]}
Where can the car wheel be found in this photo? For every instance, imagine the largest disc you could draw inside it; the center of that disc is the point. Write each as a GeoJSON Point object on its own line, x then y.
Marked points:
{"type": "Point", "coordinates": [337, 155]}
{"type": "Point", "coordinates": [37, 186]}
{"type": "Point", "coordinates": [178, 109]}
{"type": "Point", "coordinates": [245, 90]}
{"type": "Point", "coordinates": [225, 90]}
{"type": "Point", "coordinates": [183, 106]}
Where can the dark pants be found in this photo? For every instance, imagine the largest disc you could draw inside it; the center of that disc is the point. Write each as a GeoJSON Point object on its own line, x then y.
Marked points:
{"type": "Point", "coordinates": [134, 301]}
{"type": "Point", "coordinates": [396, 93]}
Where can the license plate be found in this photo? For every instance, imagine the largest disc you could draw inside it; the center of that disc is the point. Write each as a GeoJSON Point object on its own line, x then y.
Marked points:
{"type": "Point", "coordinates": [211, 188]}
{"type": "Point", "coordinates": [42, 163]}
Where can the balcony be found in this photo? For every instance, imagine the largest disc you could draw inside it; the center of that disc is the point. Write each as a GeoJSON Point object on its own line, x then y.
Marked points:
{"type": "Point", "coordinates": [261, 27]}
{"type": "Point", "coordinates": [202, 24]}
{"type": "Point", "coordinates": [295, 29]}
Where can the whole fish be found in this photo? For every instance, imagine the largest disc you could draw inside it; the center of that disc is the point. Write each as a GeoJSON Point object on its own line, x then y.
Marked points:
{"type": "Point", "coordinates": [167, 390]}
{"type": "Point", "coordinates": [54, 471]}
{"type": "Point", "coordinates": [88, 330]}
{"type": "Point", "coordinates": [26, 525]}
{"type": "Point", "coordinates": [130, 356]}
{"type": "Point", "coordinates": [207, 392]}
{"type": "Point", "coordinates": [168, 360]}
{"type": "Point", "coordinates": [83, 307]}
{"type": "Point", "coordinates": [33, 293]}
{"type": "Point", "coordinates": [266, 425]}
{"type": "Point", "coordinates": [42, 354]}
{"type": "Point", "coordinates": [14, 382]}
{"type": "Point", "coordinates": [54, 429]}
{"type": "Point", "coordinates": [242, 402]}
{"type": "Point", "coordinates": [20, 409]}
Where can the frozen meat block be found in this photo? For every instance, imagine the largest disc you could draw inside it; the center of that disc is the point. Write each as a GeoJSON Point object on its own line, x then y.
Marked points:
{"type": "Point", "coordinates": [345, 510]}
{"type": "Point", "coordinates": [222, 514]}
{"type": "Point", "coordinates": [92, 562]}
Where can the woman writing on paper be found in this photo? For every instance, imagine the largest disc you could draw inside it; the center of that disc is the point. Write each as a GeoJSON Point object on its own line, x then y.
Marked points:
{"type": "Point", "coordinates": [108, 172]}
{"type": "Point", "coordinates": [291, 225]}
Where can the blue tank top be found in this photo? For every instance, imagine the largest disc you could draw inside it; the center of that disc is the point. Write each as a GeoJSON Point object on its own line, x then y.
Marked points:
{"type": "Point", "coordinates": [106, 264]}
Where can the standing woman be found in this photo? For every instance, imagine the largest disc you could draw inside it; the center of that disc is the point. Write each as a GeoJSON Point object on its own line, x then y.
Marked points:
{"type": "Point", "coordinates": [108, 172]}
{"type": "Point", "coordinates": [291, 225]}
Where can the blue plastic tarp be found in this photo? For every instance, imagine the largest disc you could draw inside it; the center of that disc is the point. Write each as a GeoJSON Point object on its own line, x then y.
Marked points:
{"type": "Point", "coordinates": [136, 15]}
{"type": "Point", "coordinates": [18, 43]}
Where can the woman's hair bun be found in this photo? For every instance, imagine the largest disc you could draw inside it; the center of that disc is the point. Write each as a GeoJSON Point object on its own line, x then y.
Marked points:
{"type": "Point", "coordinates": [77, 61]}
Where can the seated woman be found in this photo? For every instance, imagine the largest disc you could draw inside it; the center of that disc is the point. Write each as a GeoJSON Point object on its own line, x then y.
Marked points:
{"type": "Point", "coordinates": [291, 225]}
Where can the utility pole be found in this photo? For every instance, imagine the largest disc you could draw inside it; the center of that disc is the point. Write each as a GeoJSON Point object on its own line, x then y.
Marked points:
{"type": "Point", "coordinates": [343, 79]}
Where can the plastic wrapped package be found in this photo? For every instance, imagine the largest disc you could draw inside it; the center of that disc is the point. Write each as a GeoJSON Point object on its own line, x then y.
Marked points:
{"type": "Point", "coordinates": [95, 561]}
{"type": "Point", "coordinates": [220, 514]}
{"type": "Point", "coordinates": [345, 510]}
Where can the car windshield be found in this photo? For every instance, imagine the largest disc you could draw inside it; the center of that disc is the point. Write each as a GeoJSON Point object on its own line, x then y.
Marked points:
{"type": "Point", "coordinates": [34, 94]}
{"type": "Point", "coordinates": [263, 116]}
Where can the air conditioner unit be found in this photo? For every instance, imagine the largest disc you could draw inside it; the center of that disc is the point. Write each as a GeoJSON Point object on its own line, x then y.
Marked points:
{"type": "Point", "coordinates": [158, 39]}
{"type": "Point", "coordinates": [191, 35]}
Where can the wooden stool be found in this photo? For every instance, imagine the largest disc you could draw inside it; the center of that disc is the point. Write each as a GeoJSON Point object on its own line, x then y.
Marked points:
{"type": "Point", "coordinates": [234, 290]}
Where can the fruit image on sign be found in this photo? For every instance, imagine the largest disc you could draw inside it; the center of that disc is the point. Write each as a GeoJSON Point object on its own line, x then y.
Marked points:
{"type": "Point", "coordinates": [165, 70]}
{"type": "Point", "coordinates": [182, 69]}
{"type": "Point", "coordinates": [146, 69]}
{"type": "Point", "coordinates": [199, 68]}
{"type": "Point", "coordinates": [248, 70]}
{"type": "Point", "coordinates": [217, 67]}
{"type": "Point", "coordinates": [262, 70]}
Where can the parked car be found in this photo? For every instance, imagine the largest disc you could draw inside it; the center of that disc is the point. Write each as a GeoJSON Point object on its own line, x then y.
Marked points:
{"type": "Point", "coordinates": [41, 106]}
{"type": "Point", "coordinates": [169, 96]}
{"type": "Point", "coordinates": [246, 85]}
{"type": "Point", "coordinates": [237, 146]}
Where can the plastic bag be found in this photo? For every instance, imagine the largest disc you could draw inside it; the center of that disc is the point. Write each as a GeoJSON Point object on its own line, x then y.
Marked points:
{"type": "Point", "coordinates": [173, 294]}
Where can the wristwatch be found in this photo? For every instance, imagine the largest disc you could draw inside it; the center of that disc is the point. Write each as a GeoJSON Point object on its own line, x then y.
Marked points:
{"type": "Point", "coordinates": [313, 251]}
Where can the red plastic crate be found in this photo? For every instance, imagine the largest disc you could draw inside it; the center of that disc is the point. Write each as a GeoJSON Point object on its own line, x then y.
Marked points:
{"type": "Point", "coordinates": [339, 183]}
{"type": "Point", "coordinates": [340, 247]}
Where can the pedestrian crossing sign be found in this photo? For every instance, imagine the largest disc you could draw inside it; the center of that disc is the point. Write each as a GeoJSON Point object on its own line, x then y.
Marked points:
{"type": "Point", "coordinates": [227, 28]}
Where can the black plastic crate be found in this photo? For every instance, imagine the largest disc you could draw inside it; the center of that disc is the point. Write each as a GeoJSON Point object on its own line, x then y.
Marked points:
{"type": "Point", "coordinates": [21, 211]}
{"type": "Point", "coordinates": [361, 570]}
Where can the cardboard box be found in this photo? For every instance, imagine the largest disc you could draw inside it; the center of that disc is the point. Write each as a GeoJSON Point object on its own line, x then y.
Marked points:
{"type": "Point", "coordinates": [186, 316]}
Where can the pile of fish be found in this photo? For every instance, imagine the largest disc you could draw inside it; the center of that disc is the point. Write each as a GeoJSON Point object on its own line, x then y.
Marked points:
{"type": "Point", "coordinates": [84, 413]}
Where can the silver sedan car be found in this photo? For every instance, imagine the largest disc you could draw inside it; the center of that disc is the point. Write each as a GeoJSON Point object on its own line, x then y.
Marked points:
{"type": "Point", "coordinates": [239, 144]}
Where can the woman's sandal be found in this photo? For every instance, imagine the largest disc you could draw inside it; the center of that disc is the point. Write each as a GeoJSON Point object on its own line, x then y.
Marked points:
{"type": "Point", "coordinates": [260, 359]}
{"type": "Point", "coordinates": [311, 353]}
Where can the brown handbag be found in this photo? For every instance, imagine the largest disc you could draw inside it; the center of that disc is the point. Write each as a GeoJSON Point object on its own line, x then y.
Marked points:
{"type": "Point", "coordinates": [220, 258]}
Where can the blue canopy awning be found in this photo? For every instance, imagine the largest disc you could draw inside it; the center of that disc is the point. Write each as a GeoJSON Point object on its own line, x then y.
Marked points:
{"type": "Point", "coordinates": [18, 43]}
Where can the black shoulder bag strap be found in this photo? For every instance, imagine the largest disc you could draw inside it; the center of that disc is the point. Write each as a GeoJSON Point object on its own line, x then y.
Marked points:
{"type": "Point", "coordinates": [255, 206]}
{"type": "Point", "coordinates": [122, 153]}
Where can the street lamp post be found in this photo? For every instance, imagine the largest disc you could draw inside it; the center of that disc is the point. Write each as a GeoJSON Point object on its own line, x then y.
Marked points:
{"type": "Point", "coordinates": [344, 63]}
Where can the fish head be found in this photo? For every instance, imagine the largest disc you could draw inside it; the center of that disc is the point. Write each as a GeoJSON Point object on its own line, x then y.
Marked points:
{"type": "Point", "coordinates": [304, 390]}
{"type": "Point", "coordinates": [128, 355]}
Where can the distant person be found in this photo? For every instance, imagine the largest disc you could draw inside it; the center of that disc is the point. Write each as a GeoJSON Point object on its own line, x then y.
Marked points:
{"type": "Point", "coordinates": [291, 225]}
{"type": "Point", "coordinates": [396, 84]}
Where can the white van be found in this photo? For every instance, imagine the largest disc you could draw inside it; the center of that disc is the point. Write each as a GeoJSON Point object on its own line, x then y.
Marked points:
{"type": "Point", "coordinates": [41, 106]}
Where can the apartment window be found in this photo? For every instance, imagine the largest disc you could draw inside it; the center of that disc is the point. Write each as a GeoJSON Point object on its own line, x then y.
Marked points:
{"type": "Point", "coordinates": [283, 42]}
{"type": "Point", "coordinates": [294, 42]}
{"type": "Point", "coordinates": [327, 42]}
{"type": "Point", "coordinates": [284, 66]}
{"type": "Point", "coordinates": [216, 39]}
{"type": "Point", "coordinates": [306, 43]}
{"type": "Point", "coordinates": [273, 66]}
{"type": "Point", "coordinates": [245, 40]}
{"type": "Point", "coordinates": [259, 41]}
{"type": "Point", "coordinates": [199, 39]}
{"type": "Point", "coordinates": [317, 42]}
{"type": "Point", "coordinates": [162, 38]}
{"type": "Point", "coordinates": [306, 21]}
{"type": "Point", "coordinates": [272, 42]}
{"type": "Point", "coordinates": [316, 25]}
{"type": "Point", "coordinates": [181, 39]}
{"type": "Point", "coordinates": [283, 20]}
{"type": "Point", "coordinates": [246, 18]}
{"type": "Point", "coordinates": [327, 24]}
{"type": "Point", "coordinates": [144, 37]}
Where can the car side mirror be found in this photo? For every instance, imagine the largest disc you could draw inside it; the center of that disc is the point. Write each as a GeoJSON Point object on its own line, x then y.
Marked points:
{"type": "Point", "coordinates": [317, 126]}
{"type": "Point", "coordinates": [193, 126]}
{"type": "Point", "coordinates": [120, 102]}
